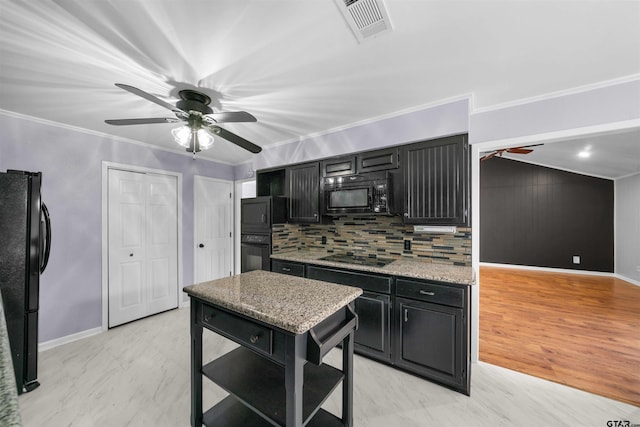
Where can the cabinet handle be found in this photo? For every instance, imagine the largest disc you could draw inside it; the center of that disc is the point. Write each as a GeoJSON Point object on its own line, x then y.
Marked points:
{"type": "Point", "coordinates": [253, 339]}
{"type": "Point", "coordinates": [427, 293]}
{"type": "Point", "coordinates": [286, 269]}
{"type": "Point", "coordinates": [262, 218]}
{"type": "Point", "coordinates": [406, 315]}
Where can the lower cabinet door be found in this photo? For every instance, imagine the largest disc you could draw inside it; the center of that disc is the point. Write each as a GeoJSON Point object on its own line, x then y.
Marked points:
{"type": "Point", "coordinates": [374, 325]}
{"type": "Point", "coordinates": [431, 342]}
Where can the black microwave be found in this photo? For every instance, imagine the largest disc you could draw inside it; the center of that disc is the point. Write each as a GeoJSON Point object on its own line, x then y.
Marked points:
{"type": "Point", "coordinates": [367, 193]}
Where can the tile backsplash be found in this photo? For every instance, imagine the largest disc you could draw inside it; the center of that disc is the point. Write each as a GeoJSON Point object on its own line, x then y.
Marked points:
{"type": "Point", "coordinates": [373, 235]}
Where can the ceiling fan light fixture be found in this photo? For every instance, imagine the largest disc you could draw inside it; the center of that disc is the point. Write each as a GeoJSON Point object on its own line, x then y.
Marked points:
{"type": "Point", "coordinates": [182, 135]}
{"type": "Point", "coordinates": [205, 139]}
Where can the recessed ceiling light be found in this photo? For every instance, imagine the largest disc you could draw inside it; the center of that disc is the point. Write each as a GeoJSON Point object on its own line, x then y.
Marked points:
{"type": "Point", "coordinates": [584, 154]}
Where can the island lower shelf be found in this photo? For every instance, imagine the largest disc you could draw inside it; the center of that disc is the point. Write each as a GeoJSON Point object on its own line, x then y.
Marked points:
{"type": "Point", "coordinates": [231, 412]}
{"type": "Point", "coordinates": [257, 386]}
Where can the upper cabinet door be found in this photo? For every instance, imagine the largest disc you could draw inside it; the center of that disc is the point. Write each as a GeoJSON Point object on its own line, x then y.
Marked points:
{"type": "Point", "coordinates": [378, 160]}
{"type": "Point", "coordinates": [303, 182]}
{"type": "Point", "coordinates": [435, 176]}
{"type": "Point", "coordinates": [339, 166]}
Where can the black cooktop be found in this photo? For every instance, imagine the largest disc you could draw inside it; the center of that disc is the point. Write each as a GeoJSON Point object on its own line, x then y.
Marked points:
{"type": "Point", "coordinates": [358, 260]}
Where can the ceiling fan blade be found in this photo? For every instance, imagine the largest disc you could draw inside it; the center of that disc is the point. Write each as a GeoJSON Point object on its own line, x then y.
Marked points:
{"type": "Point", "coordinates": [519, 150]}
{"type": "Point", "coordinates": [124, 122]}
{"type": "Point", "coordinates": [148, 96]}
{"type": "Point", "coordinates": [232, 116]}
{"type": "Point", "coordinates": [488, 156]}
{"type": "Point", "coordinates": [235, 139]}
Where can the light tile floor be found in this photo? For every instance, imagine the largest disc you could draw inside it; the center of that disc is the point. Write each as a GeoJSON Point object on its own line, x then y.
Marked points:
{"type": "Point", "coordinates": [138, 375]}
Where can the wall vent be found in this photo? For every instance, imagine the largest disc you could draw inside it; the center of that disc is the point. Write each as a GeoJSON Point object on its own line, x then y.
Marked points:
{"type": "Point", "coordinates": [366, 18]}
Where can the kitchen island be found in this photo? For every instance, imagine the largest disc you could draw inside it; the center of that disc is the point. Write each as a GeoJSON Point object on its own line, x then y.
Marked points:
{"type": "Point", "coordinates": [281, 323]}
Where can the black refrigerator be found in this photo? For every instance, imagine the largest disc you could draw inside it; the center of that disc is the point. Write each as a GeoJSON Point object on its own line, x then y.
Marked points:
{"type": "Point", "coordinates": [25, 241]}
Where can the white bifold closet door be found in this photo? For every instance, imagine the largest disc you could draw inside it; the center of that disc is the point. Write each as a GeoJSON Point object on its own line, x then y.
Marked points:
{"type": "Point", "coordinates": [143, 245]}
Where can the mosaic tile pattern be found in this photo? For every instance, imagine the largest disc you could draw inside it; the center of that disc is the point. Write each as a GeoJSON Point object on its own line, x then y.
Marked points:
{"type": "Point", "coordinates": [372, 235]}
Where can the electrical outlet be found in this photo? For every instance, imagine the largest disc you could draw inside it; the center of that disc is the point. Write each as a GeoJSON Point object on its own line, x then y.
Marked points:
{"type": "Point", "coordinates": [407, 245]}
{"type": "Point", "coordinates": [576, 259]}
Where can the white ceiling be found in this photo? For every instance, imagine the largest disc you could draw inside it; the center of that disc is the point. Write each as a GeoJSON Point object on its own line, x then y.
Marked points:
{"type": "Point", "coordinates": [294, 64]}
{"type": "Point", "coordinates": [612, 155]}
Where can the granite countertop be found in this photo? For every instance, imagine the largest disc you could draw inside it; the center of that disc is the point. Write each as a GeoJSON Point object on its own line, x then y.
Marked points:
{"type": "Point", "coordinates": [291, 303]}
{"type": "Point", "coordinates": [403, 267]}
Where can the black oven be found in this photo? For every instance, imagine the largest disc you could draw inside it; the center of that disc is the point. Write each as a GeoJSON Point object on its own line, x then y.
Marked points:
{"type": "Point", "coordinates": [255, 252]}
{"type": "Point", "coordinates": [368, 193]}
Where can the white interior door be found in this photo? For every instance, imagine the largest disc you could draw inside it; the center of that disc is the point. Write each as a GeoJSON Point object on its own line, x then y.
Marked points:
{"type": "Point", "coordinates": [162, 243]}
{"type": "Point", "coordinates": [142, 246]}
{"type": "Point", "coordinates": [213, 219]}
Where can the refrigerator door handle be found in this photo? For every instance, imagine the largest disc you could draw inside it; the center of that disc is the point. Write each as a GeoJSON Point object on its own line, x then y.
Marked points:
{"type": "Point", "coordinates": [46, 242]}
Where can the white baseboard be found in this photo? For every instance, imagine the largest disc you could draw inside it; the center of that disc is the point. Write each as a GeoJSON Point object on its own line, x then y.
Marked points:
{"type": "Point", "coordinates": [627, 279]}
{"type": "Point", "coordinates": [561, 270]}
{"type": "Point", "coordinates": [554, 270]}
{"type": "Point", "coordinates": [68, 338]}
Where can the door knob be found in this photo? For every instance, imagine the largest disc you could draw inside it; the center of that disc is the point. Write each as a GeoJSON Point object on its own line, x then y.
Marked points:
{"type": "Point", "coordinates": [130, 254]}
{"type": "Point", "coordinates": [201, 245]}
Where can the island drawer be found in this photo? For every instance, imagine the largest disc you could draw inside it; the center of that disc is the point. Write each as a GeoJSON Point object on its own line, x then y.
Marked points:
{"type": "Point", "coordinates": [236, 328]}
{"type": "Point", "coordinates": [368, 282]}
{"type": "Point", "coordinates": [286, 267]}
{"type": "Point", "coordinates": [430, 292]}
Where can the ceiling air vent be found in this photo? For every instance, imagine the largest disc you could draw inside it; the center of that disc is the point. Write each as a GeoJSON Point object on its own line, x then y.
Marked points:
{"type": "Point", "coordinates": [366, 18]}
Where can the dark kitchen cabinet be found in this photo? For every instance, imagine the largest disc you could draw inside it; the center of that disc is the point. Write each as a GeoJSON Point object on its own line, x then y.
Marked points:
{"type": "Point", "coordinates": [338, 166]}
{"type": "Point", "coordinates": [416, 325]}
{"type": "Point", "coordinates": [303, 182]}
{"type": "Point", "coordinates": [270, 182]}
{"type": "Point", "coordinates": [287, 267]}
{"type": "Point", "coordinates": [373, 307]}
{"type": "Point", "coordinates": [373, 336]}
{"type": "Point", "coordinates": [432, 338]}
{"type": "Point", "coordinates": [368, 161]}
{"type": "Point", "coordinates": [258, 214]}
{"type": "Point", "coordinates": [378, 160]}
{"type": "Point", "coordinates": [435, 182]}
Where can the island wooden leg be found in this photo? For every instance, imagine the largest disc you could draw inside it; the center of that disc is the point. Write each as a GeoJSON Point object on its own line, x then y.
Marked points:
{"type": "Point", "coordinates": [295, 356]}
{"type": "Point", "coordinates": [347, 382]}
{"type": "Point", "coordinates": [196, 366]}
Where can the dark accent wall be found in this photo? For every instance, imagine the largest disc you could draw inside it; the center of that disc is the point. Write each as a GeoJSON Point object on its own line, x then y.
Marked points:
{"type": "Point", "coordinates": [538, 216]}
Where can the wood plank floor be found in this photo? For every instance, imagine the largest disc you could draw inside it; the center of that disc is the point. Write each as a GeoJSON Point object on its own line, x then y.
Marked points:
{"type": "Point", "coordinates": [579, 330]}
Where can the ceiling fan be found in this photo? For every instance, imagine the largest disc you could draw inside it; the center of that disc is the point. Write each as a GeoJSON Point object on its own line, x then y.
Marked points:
{"type": "Point", "coordinates": [201, 122]}
{"type": "Point", "coordinates": [515, 150]}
